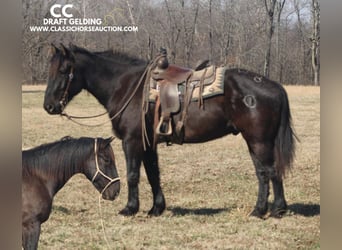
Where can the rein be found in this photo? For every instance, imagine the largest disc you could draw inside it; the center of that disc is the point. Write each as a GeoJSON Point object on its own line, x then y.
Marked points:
{"type": "Point", "coordinates": [72, 118]}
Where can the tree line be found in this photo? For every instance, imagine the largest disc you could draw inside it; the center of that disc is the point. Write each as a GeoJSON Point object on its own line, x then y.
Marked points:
{"type": "Point", "coordinates": [277, 38]}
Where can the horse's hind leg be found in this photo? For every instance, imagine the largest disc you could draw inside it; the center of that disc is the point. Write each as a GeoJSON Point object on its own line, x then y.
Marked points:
{"type": "Point", "coordinates": [262, 156]}
{"type": "Point", "coordinates": [150, 160]}
{"type": "Point", "coordinates": [279, 205]}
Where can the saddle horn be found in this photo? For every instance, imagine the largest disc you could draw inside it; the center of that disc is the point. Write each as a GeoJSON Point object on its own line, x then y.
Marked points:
{"type": "Point", "coordinates": [163, 63]}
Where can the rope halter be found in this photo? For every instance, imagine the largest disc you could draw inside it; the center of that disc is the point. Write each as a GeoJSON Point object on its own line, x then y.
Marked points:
{"type": "Point", "coordinates": [98, 171]}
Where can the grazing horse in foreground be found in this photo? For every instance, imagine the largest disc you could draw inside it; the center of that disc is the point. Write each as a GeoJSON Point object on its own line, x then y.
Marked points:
{"type": "Point", "coordinates": [249, 104]}
{"type": "Point", "coordinates": [46, 168]}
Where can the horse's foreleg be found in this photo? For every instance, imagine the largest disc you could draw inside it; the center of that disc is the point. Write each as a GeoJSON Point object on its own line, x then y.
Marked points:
{"type": "Point", "coordinates": [150, 160]}
{"type": "Point", "coordinates": [30, 236]}
{"type": "Point", "coordinates": [279, 205]}
{"type": "Point", "coordinates": [133, 154]}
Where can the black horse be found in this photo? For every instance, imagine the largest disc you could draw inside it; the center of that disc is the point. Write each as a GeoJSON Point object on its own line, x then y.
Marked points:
{"type": "Point", "coordinates": [252, 105]}
{"type": "Point", "coordinates": [46, 168]}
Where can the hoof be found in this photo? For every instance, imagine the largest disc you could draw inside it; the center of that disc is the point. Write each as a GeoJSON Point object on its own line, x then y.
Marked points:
{"type": "Point", "coordinates": [279, 209]}
{"type": "Point", "coordinates": [128, 211]}
{"type": "Point", "coordinates": [156, 211]}
{"type": "Point", "coordinates": [258, 213]}
{"type": "Point", "coordinates": [278, 212]}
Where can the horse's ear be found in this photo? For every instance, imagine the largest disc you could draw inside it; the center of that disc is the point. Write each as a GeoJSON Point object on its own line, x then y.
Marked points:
{"type": "Point", "coordinates": [53, 49]}
{"type": "Point", "coordinates": [67, 53]}
{"type": "Point", "coordinates": [63, 49]}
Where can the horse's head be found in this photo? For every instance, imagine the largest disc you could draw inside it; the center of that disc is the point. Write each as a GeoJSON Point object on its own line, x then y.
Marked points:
{"type": "Point", "coordinates": [62, 84]}
{"type": "Point", "coordinates": [103, 173]}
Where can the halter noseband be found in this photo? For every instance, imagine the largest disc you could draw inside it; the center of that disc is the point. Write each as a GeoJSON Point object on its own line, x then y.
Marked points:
{"type": "Point", "coordinates": [98, 171]}
{"type": "Point", "coordinates": [63, 100]}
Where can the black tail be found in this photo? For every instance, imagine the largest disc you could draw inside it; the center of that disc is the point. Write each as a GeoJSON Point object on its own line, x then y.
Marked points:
{"type": "Point", "coordinates": [285, 143]}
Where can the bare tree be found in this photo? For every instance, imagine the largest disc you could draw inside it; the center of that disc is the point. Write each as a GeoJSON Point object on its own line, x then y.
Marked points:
{"type": "Point", "coordinates": [174, 32]}
{"type": "Point", "coordinates": [315, 41]}
{"type": "Point", "coordinates": [283, 46]}
{"type": "Point", "coordinates": [189, 22]}
{"type": "Point", "coordinates": [302, 39]}
{"type": "Point", "coordinates": [279, 8]}
{"type": "Point", "coordinates": [210, 30]}
{"type": "Point", "coordinates": [270, 6]}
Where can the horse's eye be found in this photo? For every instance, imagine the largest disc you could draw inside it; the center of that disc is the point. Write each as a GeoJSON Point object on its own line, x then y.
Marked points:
{"type": "Point", "coordinates": [106, 159]}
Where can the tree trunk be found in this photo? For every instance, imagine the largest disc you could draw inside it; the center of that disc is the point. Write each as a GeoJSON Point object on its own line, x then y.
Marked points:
{"type": "Point", "coordinates": [280, 6]}
{"type": "Point", "coordinates": [210, 32]}
{"type": "Point", "coordinates": [270, 14]}
{"type": "Point", "coordinates": [315, 41]}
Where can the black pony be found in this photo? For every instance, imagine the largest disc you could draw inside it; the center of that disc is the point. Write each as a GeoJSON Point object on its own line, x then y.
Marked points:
{"type": "Point", "coordinates": [45, 170]}
{"type": "Point", "coordinates": [252, 105]}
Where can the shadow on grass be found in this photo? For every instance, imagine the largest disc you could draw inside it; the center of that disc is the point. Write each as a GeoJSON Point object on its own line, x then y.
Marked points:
{"type": "Point", "coordinates": [307, 210]}
{"type": "Point", "coordinates": [67, 211]}
{"type": "Point", "coordinates": [61, 209]}
{"type": "Point", "coordinates": [180, 211]}
{"type": "Point", "coordinates": [32, 91]}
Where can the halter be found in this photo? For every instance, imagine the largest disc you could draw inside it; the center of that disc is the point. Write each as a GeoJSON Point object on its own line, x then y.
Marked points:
{"type": "Point", "coordinates": [98, 171]}
{"type": "Point", "coordinates": [64, 98]}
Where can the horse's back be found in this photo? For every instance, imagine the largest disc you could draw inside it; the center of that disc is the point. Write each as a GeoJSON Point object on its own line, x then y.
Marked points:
{"type": "Point", "coordinates": [248, 82]}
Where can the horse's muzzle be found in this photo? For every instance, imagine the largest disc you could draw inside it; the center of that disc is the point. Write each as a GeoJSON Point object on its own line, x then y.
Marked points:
{"type": "Point", "coordinates": [52, 109]}
{"type": "Point", "coordinates": [112, 191]}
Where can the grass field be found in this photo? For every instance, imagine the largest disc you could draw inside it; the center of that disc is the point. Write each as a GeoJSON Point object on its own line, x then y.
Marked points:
{"type": "Point", "coordinates": [209, 188]}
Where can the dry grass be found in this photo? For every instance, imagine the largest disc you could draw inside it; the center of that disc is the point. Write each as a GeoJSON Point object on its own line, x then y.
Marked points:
{"type": "Point", "coordinates": [210, 189]}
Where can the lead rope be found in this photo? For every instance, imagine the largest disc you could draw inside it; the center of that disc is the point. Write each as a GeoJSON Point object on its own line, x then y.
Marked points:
{"type": "Point", "coordinates": [102, 223]}
{"type": "Point", "coordinates": [111, 180]}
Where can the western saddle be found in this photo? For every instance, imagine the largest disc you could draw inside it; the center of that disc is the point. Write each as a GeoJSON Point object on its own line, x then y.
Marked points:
{"type": "Point", "coordinates": [168, 78]}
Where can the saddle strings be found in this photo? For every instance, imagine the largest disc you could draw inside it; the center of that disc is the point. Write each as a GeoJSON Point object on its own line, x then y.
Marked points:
{"type": "Point", "coordinates": [145, 99]}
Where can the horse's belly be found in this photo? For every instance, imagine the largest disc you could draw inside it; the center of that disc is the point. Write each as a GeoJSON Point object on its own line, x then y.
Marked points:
{"type": "Point", "coordinates": [198, 134]}
{"type": "Point", "coordinates": [205, 125]}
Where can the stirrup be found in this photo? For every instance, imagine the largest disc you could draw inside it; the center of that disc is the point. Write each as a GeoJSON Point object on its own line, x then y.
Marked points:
{"type": "Point", "coordinates": [169, 128]}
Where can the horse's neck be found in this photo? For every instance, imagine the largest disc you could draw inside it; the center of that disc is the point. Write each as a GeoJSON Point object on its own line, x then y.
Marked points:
{"type": "Point", "coordinates": [99, 88]}
{"type": "Point", "coordinates": [104, 83]}
{"type": "Point", "coordinates": [63, 175]}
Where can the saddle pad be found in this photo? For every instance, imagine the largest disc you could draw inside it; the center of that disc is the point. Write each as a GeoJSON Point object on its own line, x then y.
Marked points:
{"type": "Point", "coordinates": [215, 88]}
{"type": "Point", "coordinates": [208, 72]}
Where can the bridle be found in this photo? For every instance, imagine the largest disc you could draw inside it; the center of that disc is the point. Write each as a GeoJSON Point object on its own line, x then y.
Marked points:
{"type": "Point", "coordinates": [72, 118]}
{"type": "Point", "coordinates": [98, 171]}
{"type": "Point", "coordinates": [64, 98]}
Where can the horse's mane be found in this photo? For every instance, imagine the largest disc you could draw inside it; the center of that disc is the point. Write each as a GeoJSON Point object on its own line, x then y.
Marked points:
{"type": "Point", "coordinates": [117, 56]}
{"type": "Point", "coordinates": [56, 159]}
